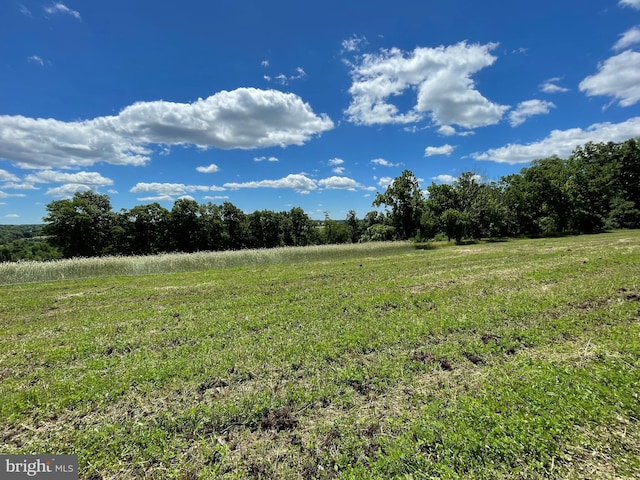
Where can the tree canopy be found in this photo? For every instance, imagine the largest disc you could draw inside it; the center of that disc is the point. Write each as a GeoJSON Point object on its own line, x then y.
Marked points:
{"type": "Point", "coordinates": [596, 188]}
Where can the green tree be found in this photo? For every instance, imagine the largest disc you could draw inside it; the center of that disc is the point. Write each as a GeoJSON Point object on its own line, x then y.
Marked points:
{"type": "Point", "coordinates": [186, 226]}
{"type": "Point", "coordinates": [82, 226]}
{"type": "Point", "coordinates": [147, 228]}
{"type": "Point", "coordinates": [235, 227]}
{"type": "Point", "coordinates": [299, 228]}
{"type": "Point", "coordinates": [404, 197]}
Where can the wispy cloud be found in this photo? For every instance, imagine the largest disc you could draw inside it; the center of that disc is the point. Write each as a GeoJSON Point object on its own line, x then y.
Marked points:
{"type": "Point", "coordinates": [630, 3]}
{"type": "Point", "coordinates": [283, 79]}
{"type": "Point", "coordinates": [25, 11]}
{"type": "Point", "coordinates": [62, 8]}
{"type": "Point", "coordinates": [550, 86]}
{"type": "Point", "coordinates": [36, 59]}
{"type": "Point", "coordinates": [353, 43]}
{"type": "Point", "coordinates": [628, 38]}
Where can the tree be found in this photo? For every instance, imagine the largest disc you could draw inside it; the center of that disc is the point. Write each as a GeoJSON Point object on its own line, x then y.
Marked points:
{"type": "Point", "coordinates": [354, 225]}
{"type": "Point", "coordinates": [147, 228]}
{"type": "Point", "coordinates": [404, 197]}
{"type": "Point", "coordinates": [186, 226]}
{"type": "Point", "coordinates": [82, 226]}
{"type": "Point", "coordinates": [299, 229]}
{"type": "Point", "coordinates": [235, 226]}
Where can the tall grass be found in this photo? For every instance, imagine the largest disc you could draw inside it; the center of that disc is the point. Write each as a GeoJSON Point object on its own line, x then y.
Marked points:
{"type": "Point", "coordinates": [76, 268]}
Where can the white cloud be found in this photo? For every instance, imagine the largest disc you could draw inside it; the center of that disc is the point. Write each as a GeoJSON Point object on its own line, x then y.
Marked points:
{"type": "Point", "coordinates": [384, 163]}
{"type": "Point", "coordinates": [213, 168]}
{"type": "Point", "coordinates": [5, 194]}
{"type": "Point", "coordinates": [353, 44]}
{"type": "Point", "coordinates": [67, 191]}
{"type": "Point", "coordinates": [562, 142]}
{"type": "Point", "coordinates": [62, 8]}
{"type": "Point", "coordinates": [80, 178]}
{"type": "Point", "coordinates": [441, 77]}
{"type": "Point", "coordinates": [449, 131]}
{"type": "Point", "coordinates": [7, 176]}
{"type": "Point", "coordinates": [384, 182]}
{"type": "Point", "coordinates": [245, 118]}
{"type": "Point", "coordinates": [25, 11]}
{"type": "Point", "coordinates": [339, 183]}
{"type": "Point", "coordinates": [628, 38]}
{"type": "Point", "coordinates": [445, 178]}
{"type": "Point", "coordinates": [172, 189]}
{"type": "Point", "coordinates": [549, 86]}
{"type": "Point", "coordinates": [618, 77]}
{"type": "Point", "coordinates": [264, 63]}
{"type": "Point", "coordinates": [268, 159]}
{"type": "Point", "coordinates": [285, 79]}
{"type": "Point", "coordinates": [445, 149]}
{"type": "Point", "coordinates": [527, 109]}
{"type": "Point", "coordinates": [630, 3]}
{"type": "Point", "coordinates": [36, 59]}
{"type": "Point", "coordinates": [338, 170]}
{"type": "Point", "coordinates": [336, 161]}
{"type": "Point", "coordinates": [298, 182]}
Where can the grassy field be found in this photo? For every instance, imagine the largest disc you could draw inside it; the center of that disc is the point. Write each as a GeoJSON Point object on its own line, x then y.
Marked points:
{"type": "Point", "coordinates": [500, 360]}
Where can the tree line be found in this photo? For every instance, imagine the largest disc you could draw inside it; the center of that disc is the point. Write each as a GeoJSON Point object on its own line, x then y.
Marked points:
{"type": "Point", "coordinates": [595, 189]}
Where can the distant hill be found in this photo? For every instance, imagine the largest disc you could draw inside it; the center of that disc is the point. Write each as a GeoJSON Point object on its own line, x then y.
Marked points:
{"type": "Point", "coordinates": [10, 233]}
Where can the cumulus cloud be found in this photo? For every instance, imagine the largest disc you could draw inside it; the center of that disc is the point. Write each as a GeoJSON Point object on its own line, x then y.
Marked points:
{"type": "Point", "coordinates": [67, 190]}
{"type": "Point", "coordinates": [79, 178]}
{"type": "Point", "coordinates": [62, 8]}
{"type": "Point", "coordinates": [268, 159]}
{"type": "Point", "coordinates": [628, 38]}
{"type": "Point", "coordinates": [7, 176]}
{"type": "Point", "coordinates": [617, 77]}
{"type": "Point", "coordinates": [630, 3]}
{"type": "Point", "coordinates": [245, 118]}
{"type": "Point", "coordinates": [336, 161]}
{"type": "Point", "coordinates": [444, 178]}
{"type": "Point", "coordinates": [169, 190]}
{"type": "Point", "coordinates": [562, 142]}
{"type": "Point", "coordinates": [527, 109]}
{"type": "Point", "coordinates": [213, 168]}
{"type": "Point", "coordinates": [384, 163]}
{"type": "Point", "coordinates": [339, 183]}
{"type": "Point", "coordinates": [295, 181]}
{"type": "Point", "coordinates": [384, 182]}
{"type": "Point", "coordinates": [549, 86]}
{"type": "Point", "coordinates": [441, 77]}
{"type": "Point", "coordinates": [445, 149]}
{"type": "Point", "coordinates": [300, 183]}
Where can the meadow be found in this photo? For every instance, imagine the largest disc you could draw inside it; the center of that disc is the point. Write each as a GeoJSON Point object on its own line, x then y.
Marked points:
{"type": "Point", "coordinates": [517, 359]}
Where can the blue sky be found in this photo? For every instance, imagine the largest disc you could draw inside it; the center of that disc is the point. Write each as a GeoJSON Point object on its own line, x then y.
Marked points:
{"type": "Point", "coordinates": [273, 105]}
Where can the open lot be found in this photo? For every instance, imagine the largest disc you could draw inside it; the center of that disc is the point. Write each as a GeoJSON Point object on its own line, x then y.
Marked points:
{"type": "Point", "coordinates": [516, 359]}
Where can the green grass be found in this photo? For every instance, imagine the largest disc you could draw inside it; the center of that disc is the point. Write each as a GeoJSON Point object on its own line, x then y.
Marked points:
{"type": "Point", "coordinates": [501, 360]}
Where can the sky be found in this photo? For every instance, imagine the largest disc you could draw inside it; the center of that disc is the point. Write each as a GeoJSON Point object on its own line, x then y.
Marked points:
{"type": "Point", "coordinates": [283, 103]}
